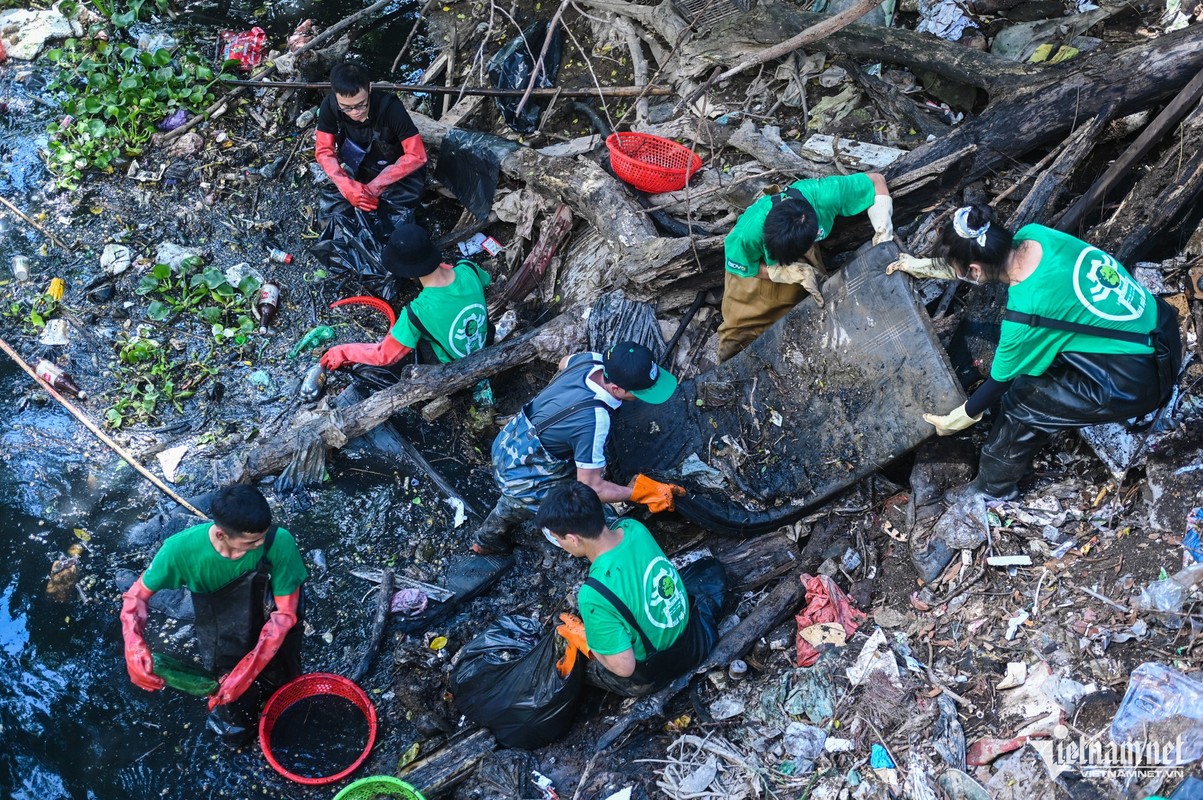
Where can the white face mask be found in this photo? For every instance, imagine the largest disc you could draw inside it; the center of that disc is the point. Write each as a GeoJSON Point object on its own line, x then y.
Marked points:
{"type": "Point", "coordinates": [966, 279]}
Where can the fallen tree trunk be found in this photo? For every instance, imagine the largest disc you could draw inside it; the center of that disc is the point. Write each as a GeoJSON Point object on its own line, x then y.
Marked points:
{"type": "Point", "coordinates": [563, 334]}
{"type": "Point", "coordinates": [776, 606]}
{"type": "Point", "coordinates": [437, 774]}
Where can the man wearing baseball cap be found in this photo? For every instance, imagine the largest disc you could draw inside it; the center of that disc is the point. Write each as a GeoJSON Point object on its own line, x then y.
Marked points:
{"type": "Point", "coordinates": [561, 435]}
{"type": "Point", "coordinates": [449, 312]}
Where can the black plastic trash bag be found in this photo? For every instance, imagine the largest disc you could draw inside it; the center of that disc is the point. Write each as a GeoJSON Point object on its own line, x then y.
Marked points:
{"type": "Point", "coordinates": [469, 164]}
{"type": "Point", "coordinates": [353, 240]}
{"type": "Point", "coordinates": [513, 65]}
{"type": "Point", "coordinates": [506, 680]}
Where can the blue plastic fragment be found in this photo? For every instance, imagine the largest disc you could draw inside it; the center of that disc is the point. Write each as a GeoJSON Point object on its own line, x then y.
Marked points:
{"type": "Point", "coordinates": [879, 758]}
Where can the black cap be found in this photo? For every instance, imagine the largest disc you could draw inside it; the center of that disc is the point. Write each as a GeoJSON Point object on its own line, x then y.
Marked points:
{"type": "Point", "coordinates": [410, 253]}
{"type": "Point", "coordinates": [631, 367]}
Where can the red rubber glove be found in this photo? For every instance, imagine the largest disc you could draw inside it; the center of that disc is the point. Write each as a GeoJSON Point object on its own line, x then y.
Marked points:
{"type": "Point", "coordinates": [385, 352]}
{"type": "Point", "coordinates": [326, 155]}
{"type": "Point", "coordinates": [271, 638]}
{"type": "Point", "coordinates": [138, 660]}
{"type": "Point", "coordinates": [653, 494]}
{"type": "Point", "coordinates": [413, 156]}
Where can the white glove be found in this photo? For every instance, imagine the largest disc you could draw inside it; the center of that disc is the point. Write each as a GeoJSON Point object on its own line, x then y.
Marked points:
{"type": "Point", "coordinates": [881, 216]}
{"type": "Point", "coordinates": [922, 267]}
{"type": "Point", "coordinates": [956, 420]}
{"type": "Point", "coordinates": [800, 273]}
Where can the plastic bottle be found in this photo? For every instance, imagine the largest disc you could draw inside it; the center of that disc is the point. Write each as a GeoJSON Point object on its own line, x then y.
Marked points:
{"type": "Point", "coordinates": [314, 384]}
{"type": "Point", "coordinates": [56, 377]}
{"type": "Point", "coordinates": [21, 268]}
{"type": "Point", "coordinates": [1164, 707]}
{"type": "Point", "coordinates": [267, 304]}
{"type": "Point", "coordinates": [279, 256]}
{"type": "Point", "coordinates": [737, 670]}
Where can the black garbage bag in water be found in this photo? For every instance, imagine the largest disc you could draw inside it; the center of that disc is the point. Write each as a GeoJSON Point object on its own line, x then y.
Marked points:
{"type": "Point", "coordinates": [469, 164]}
{"type": "Point", "coordinates": [353, 240]}
{"type": "Point", "coordinates": [506, 680]}
{"type": "Point", "coordinates": [513, 66]}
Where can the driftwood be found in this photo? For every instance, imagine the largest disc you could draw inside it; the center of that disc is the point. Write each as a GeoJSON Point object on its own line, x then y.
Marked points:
{"type": "Point", "coordinates": [563, 334]}
{"type": "Point", "coordinates": [482, 91]}
{"type": "Point", "coordinates": [437, 774]}
{"type": "Point", "coordinates": [754, 562]}
{"type": "Point", "coordinates": [1159, 198]}
{"type": "Point", "coordinates": [523, 281]}
{"type": "Point", "coordinates": [378, 621]}
{"type": "Point", "coordinates": [1040, 199]}
{"type": "Point", "coordinates": [1153, 133]}
{"type": "Point", "coordinates": [774, 607]}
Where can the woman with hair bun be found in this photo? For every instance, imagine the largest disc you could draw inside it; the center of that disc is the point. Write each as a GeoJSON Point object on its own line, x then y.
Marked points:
{"type": "Point", "coordinates": [1081, 342]}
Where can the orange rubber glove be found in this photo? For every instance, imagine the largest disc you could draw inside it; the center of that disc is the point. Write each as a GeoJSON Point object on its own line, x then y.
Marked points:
{"type": "Point", "coordinates": [413, 156]}
{"type": "Point", "coordinates": [271, 638]}
{"type": "Point", "coordinates": [573, 632]}
{"type": "Point", "coordinates": [138, 660]}
{"type": "Point", "coordinates": [326, 155]}
{"type": "Point", "coordinates": [655, 495]}
{"type": "Point", "coordinates": [385, 352]}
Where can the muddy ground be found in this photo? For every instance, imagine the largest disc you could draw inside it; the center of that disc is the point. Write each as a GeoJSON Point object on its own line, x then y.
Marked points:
{"type": "Point", "coordinates": [380, 510]}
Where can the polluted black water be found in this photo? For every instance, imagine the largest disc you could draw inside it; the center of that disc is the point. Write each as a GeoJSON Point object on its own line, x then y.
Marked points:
{"type": "Point", "coordinates": [319, 736]}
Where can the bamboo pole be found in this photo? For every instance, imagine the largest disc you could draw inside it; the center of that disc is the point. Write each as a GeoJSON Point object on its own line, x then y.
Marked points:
{"type": "Point", "coordinates": [34, 224]}
{"type": "Point", "coordinates": [79, 415]}
{"type": "Point", "coordinates": [604, 91]}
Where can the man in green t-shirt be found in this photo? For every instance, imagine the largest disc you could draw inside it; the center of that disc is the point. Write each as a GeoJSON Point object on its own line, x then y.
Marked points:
{"type": "Point", "coordinates": [772, 252]}
{"type": "Point", "coordinates": [640, 627]}
{"type": "Point", "coordinates": [449, 312]}
{"type": "Point", "coordinates": [227, 567]}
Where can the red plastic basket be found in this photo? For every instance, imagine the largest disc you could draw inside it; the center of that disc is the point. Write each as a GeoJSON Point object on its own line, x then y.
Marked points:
{"type": "Point", "coordinates": [651, 164]}
{"type": "Point", "coordinates": [315, 683]}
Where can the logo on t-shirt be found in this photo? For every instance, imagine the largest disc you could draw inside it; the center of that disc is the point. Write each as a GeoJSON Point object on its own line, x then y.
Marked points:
{"type": "Point", "coordinates": [666, 605]}
{"type": "Point", "coordinates": [1103, 287]}
{"type": "Point", "coordinates": [468, 331]}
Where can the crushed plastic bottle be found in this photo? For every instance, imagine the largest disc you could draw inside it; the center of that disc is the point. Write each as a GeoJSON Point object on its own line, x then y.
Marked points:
{"type": "Point", "coordinates": [314, 384]}
{"type": "Point", "coordinates": [1166, 596]}
{"type": "Point", "coordinates": [1163, 707]}
{"type": "Point", "coordinates": [314, 338]}
{"type": "Point", "coordinates": [183, 676]}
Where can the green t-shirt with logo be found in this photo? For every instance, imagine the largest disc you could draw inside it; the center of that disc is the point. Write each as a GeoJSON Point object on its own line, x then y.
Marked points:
{"type": "Point", "coordinates": [1074, 282]}
{"type": "Point", "coordinates": [639, 573]}
{"type": "Point", "coordinates": [455, 315]}
{"type": "Point", "coordinates": [834, 196]}
{"type": "Point", "coordinates": [189, 559]}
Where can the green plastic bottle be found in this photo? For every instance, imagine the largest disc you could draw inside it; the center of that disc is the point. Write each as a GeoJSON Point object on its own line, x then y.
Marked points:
{"type": "Point", "coordinates": [314, 338]}
{"type": "Point", "coordinates": [183, 676]}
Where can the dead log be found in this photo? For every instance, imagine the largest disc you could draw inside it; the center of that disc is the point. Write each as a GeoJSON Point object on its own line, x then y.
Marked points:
{"type": "Point", "coordinates": [615, 318]}
{"type": "Point", "coordinates": [1038, 203]}
{"type": "Point", "coordinates": [1158, 199]}
{"type": "Point", "coordinates": [1162, 124]}
{"type": "Point", "coordinates": [774, 607]}
{"type": "Point", "coordinates": [563, 334]}
{"type": "Point", "coordinates": [378, 621]}
{"type": "Point", "coordinates": [754, 562]}
{"type": "Point", "coordinates": [765, 145]}
{"type": "Point", "coordinates": [889, 99]}
{"type": "Point", "coordinates": [437, 774]}
{"type": "Point", "coordinates": [621, 249]}
{"type": "Point", "coordinates": [527, 276]}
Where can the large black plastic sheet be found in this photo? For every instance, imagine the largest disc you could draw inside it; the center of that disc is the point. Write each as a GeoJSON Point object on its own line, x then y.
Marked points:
{"type": "Point", "coordinates": [506, 680]}
{"type": "Point", "coordinates": [822, 399]}
{"type": "Point", "coordinates": [513, 65]}
{"type": "Point", "coordinates": [469, 165]}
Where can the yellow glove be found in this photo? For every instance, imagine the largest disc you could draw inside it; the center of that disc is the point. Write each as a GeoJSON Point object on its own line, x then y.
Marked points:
{"type": "Point", "coordinates": [653, 494]}
{"type": "Point", "coordinates": [922, 267]}
{"type": "Point", "coordinates": [800, 273]}
{"type": "Point", "coordinates": [881, 217]}
{"type": "Point", "coordinates": [950, 423]}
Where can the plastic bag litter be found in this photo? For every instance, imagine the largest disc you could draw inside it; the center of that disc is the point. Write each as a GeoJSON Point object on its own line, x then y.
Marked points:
{"type": "Point", "coordinates": [506, 680]}
{"type": "Point", "coordinates": [512, 66]}
{"type": "Point", "coordinates": [469, 165]}
{"type": "Point", "coordinates": [246, 48]}
{"type": "Point", "coordinates": [353, 241]}
{"type": "Point", "coordinates": [181, 675]}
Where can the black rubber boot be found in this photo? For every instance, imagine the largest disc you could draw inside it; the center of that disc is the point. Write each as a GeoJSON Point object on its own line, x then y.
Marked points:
{"type": "Point", "coordinates": [493, 535]}
{"type": "Point", "coordinates": [1007, 457]}
{"type": "Point", "coordinates": [932, 560]}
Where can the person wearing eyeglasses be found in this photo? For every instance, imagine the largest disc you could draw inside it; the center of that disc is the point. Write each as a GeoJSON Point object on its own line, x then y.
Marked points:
{"type": "Point", "coordinates": [369, 146]}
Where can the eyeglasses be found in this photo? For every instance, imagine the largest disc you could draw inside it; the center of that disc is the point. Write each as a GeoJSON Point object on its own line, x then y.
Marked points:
{"type": "Point", "coordinates": [357, 107]}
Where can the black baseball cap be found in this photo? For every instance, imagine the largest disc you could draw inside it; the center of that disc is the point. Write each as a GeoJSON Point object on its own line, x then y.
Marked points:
{"type": "Point", "coordinates": [409, 252]}
{"type": "Point", "coordinates": [631, 367]}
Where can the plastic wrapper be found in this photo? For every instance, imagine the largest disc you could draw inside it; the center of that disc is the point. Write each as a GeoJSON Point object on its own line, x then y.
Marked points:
{"type": "Point", "coordinates": [469, 165]}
